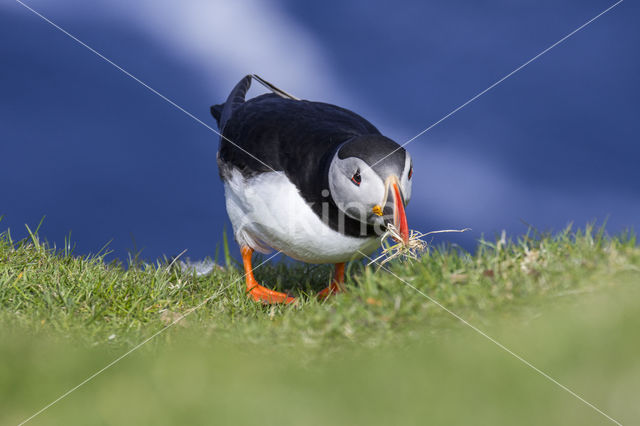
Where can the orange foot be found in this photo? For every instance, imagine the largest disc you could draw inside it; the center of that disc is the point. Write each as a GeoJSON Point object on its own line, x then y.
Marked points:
{"type": "Point", "coordinates": [255, 290]}
{"type": "Point", "coordinates": [336, 285]}
{"type": "Point", "coordinates": [264, 295]}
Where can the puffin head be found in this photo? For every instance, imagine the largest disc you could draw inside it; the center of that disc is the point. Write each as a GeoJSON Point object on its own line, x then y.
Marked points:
{"type": "Point", "coordinates": [369, 184]}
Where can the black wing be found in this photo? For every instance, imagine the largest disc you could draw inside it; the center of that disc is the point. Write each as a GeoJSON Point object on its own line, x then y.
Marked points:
{"type": "Point", "coordinates": [271, 132]}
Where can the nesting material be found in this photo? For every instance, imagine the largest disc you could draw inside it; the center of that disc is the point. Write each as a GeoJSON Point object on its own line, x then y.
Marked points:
{"type": "Point", "coordinates": [411, 250]}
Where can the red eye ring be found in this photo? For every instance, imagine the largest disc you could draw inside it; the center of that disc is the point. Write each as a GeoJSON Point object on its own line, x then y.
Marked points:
{"type": "Point", "coordinates": [410, 172]}
{"type": "Point", "coordinates": [356, 178]}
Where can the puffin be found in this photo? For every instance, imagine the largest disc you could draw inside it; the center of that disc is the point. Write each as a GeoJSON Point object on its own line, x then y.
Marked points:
{"type": "Point", "coordinates": [312, 180]}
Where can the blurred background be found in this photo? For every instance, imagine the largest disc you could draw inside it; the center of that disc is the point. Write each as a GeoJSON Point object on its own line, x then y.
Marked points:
{"type": "Point", "coordinates": [104, 159]}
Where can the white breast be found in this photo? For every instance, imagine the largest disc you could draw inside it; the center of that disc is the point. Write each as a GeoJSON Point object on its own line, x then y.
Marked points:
{"type": "Point", "coordinates": [267, 211]}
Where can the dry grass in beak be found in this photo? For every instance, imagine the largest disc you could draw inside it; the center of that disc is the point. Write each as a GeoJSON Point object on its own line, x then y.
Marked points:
{"type": "Point", "coordinates": [410, 250]}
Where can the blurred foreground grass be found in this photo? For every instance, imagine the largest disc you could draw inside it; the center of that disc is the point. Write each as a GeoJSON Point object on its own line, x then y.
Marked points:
{"type": "Point", "coordinates": [380, 354]}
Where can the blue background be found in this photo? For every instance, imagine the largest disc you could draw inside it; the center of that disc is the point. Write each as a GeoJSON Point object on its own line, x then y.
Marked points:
{"type": "Point", "coordinates": [105, 159]}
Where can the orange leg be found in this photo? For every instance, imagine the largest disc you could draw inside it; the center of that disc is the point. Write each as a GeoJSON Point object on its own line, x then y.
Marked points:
{"type": "Point", "coordinates": [337, 284]}
{"type": "Point", "coordinates": [255, 290]}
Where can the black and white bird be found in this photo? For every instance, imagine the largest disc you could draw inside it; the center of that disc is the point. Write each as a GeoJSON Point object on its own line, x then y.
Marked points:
{"type": "Point", "coordinates": [312, 180]}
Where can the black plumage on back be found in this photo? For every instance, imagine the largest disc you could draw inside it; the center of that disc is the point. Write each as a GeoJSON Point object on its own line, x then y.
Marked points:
{"type": "Point", "coordinates": [286, 135]}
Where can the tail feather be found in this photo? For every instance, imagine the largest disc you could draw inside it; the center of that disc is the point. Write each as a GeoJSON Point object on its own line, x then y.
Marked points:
{"type": "Point", "coordinates": [223, 112]}
{"type": "Point", "coordinates": [274, 89]}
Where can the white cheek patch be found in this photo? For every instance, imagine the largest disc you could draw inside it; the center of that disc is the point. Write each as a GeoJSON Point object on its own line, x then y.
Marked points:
{"type": "Point", "coordinates": [355, 200]}
{"type": "Point", "coordinates": [405, 182]}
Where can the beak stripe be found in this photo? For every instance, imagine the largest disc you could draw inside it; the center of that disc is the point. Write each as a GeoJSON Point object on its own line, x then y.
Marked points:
{"type": "Point", "coordinates": [399, 216]}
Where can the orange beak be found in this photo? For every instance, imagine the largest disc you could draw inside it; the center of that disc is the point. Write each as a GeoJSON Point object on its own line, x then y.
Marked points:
{"type": "Point", "coordinates": [399, 216]}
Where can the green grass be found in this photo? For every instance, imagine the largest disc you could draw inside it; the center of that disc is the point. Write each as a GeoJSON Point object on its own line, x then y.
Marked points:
{"type": "Point", "coordinates": [381, 353]}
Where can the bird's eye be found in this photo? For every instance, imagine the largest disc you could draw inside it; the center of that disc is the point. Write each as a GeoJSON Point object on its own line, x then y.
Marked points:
{"type": "Point", "coordinates": [356, 178]}
{"type": "Point", "coordinates": [410, 172]}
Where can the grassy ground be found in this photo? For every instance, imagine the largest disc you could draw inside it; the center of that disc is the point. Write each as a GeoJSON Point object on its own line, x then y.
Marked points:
{"type": "Point", "coordinates": [382, 353]}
